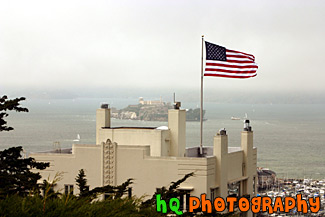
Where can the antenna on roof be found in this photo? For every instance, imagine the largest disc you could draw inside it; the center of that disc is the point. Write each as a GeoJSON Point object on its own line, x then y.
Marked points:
{"type": "Point", "coordinates": [174, 97]}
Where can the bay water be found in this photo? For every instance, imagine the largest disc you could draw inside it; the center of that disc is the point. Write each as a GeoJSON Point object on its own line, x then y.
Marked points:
{"type": "Point", "coordinates": [290, 138]}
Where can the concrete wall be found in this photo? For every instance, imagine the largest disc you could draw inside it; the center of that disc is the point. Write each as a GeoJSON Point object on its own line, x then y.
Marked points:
{"type": "Point", "coordinates": [152, 172]}
{"type": "Point", "coordinates": [87, 157]}
{"type": "Point", "coordinates": [158, 140]}
{"type": "Point", "coordinates": [235, 164]}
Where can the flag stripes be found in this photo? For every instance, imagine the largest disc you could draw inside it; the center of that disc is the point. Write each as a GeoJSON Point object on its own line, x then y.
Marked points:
{"type": "Point", "coordinates": [222, 62]}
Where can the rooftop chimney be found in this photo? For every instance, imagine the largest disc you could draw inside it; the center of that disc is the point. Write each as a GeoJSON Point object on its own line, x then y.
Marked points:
{"type": "Point", "coordinates": [249, 169]}
{"type": "Point", "coordinates": [220, 150]}
{"type": "Point", "coordinates": [103, 119]}
{"type": "Point", "coordinates": [177, 127]}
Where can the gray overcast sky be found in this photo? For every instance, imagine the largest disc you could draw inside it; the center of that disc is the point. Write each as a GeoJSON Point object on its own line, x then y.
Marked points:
{"type": "Point", "coordinates": [131, 44]}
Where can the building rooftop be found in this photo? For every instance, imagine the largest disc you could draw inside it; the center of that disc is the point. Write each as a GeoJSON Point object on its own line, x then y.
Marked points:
{"type": "Point", "coordinates": [56, 151]}
{"type": "Point", "coordinates": [143, 128]}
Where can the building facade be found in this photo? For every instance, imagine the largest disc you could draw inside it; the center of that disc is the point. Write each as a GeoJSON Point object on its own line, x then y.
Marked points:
{"type": "Point", "coordinates": [154, 157]}
{"type": "Point", "coordinates": [266, 178]}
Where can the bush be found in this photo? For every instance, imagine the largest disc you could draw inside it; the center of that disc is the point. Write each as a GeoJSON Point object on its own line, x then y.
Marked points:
{"type": "Point", "coordinates": [15, 205]}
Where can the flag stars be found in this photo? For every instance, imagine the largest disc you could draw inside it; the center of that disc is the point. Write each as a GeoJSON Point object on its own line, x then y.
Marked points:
{"type": "Point", "coordinates": [215, 52]}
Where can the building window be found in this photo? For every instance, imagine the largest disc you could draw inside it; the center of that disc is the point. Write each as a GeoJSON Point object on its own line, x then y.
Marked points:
{"type": "Point", "coordinates": [68, 189]}
{"type": "Point", "coordinates": [254, 184]}
{"type": "Point", "coordinates": [213, 193]}
{"type": "Point", "coordinates": [184, 200]}
{"type": "Point", "coordinates": [234, 189]}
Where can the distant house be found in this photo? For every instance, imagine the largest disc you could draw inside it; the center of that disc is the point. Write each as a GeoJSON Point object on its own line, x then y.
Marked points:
{"type": "Point", "coordinates": [154, 157]}
{"type": "Point", "coordinates": [266, 178]}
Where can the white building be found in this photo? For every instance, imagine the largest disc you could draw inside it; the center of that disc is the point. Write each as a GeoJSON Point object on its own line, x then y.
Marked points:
{"type": "Point", "coordinates": [151, 102]}
{"type": "Point", "coordinates": [154, 157]}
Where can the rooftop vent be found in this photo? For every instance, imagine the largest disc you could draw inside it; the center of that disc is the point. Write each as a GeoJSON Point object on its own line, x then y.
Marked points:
{"type": "Point", "coordinates": [104, 106]}
{"type": "Point", "coordinates": [247, 127]}
{"type": "Point", "coordinates": [223, 131]}
{"type": "Point", "coordinates": [177, 105]}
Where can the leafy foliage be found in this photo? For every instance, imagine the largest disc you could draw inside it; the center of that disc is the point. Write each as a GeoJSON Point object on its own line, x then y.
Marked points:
{"type": "Point", "coordinates": [172, 192]}
{"type": "Point", "coordinates": [169, 193]}
{"type": "Point", "coordinates": [16, 176]}
{"type": "Point", "coordinates": [48, 187]}
{"type": "Point", "coordinates": [114, 191]}
{"type": "Point", "coordinates": [55, 204]}
{"type": "Point", "coordinates": [9, 105]}
{"type": "Point", "coordinates": [33, 206]}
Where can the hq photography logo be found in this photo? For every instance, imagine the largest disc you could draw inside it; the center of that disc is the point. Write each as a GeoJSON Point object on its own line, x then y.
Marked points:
{"type": "Point", "coordinates": [256, 204]}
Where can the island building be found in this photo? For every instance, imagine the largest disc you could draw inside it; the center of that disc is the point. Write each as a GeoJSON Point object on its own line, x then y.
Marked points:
{"type": "Point", "coordinates": [151, 102]}
{"type": "Point", "coordinates": [154, 157]}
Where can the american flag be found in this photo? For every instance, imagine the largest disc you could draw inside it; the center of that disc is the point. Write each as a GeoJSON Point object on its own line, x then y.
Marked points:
{"type": "Point", "coordinates": [222, 62]}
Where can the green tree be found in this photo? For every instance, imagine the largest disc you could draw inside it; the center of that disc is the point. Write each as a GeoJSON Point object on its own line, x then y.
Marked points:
{"type": "Point", "coordinates": [9, 105]}
{"type": "Point", "coordinates": [82, 183]}
{"type": "Point", "coordinates": [114, 191]}
{"type": "Point", "coordinates": [16, 176]}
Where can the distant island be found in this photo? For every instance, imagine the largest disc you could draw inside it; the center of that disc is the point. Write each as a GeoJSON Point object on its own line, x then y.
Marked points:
{"type": "Point", "coordinates": [152, 110]}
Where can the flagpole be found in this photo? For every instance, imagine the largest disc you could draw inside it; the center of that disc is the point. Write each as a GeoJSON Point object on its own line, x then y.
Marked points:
{"type": "Point", "coordinates": [201, 107]}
